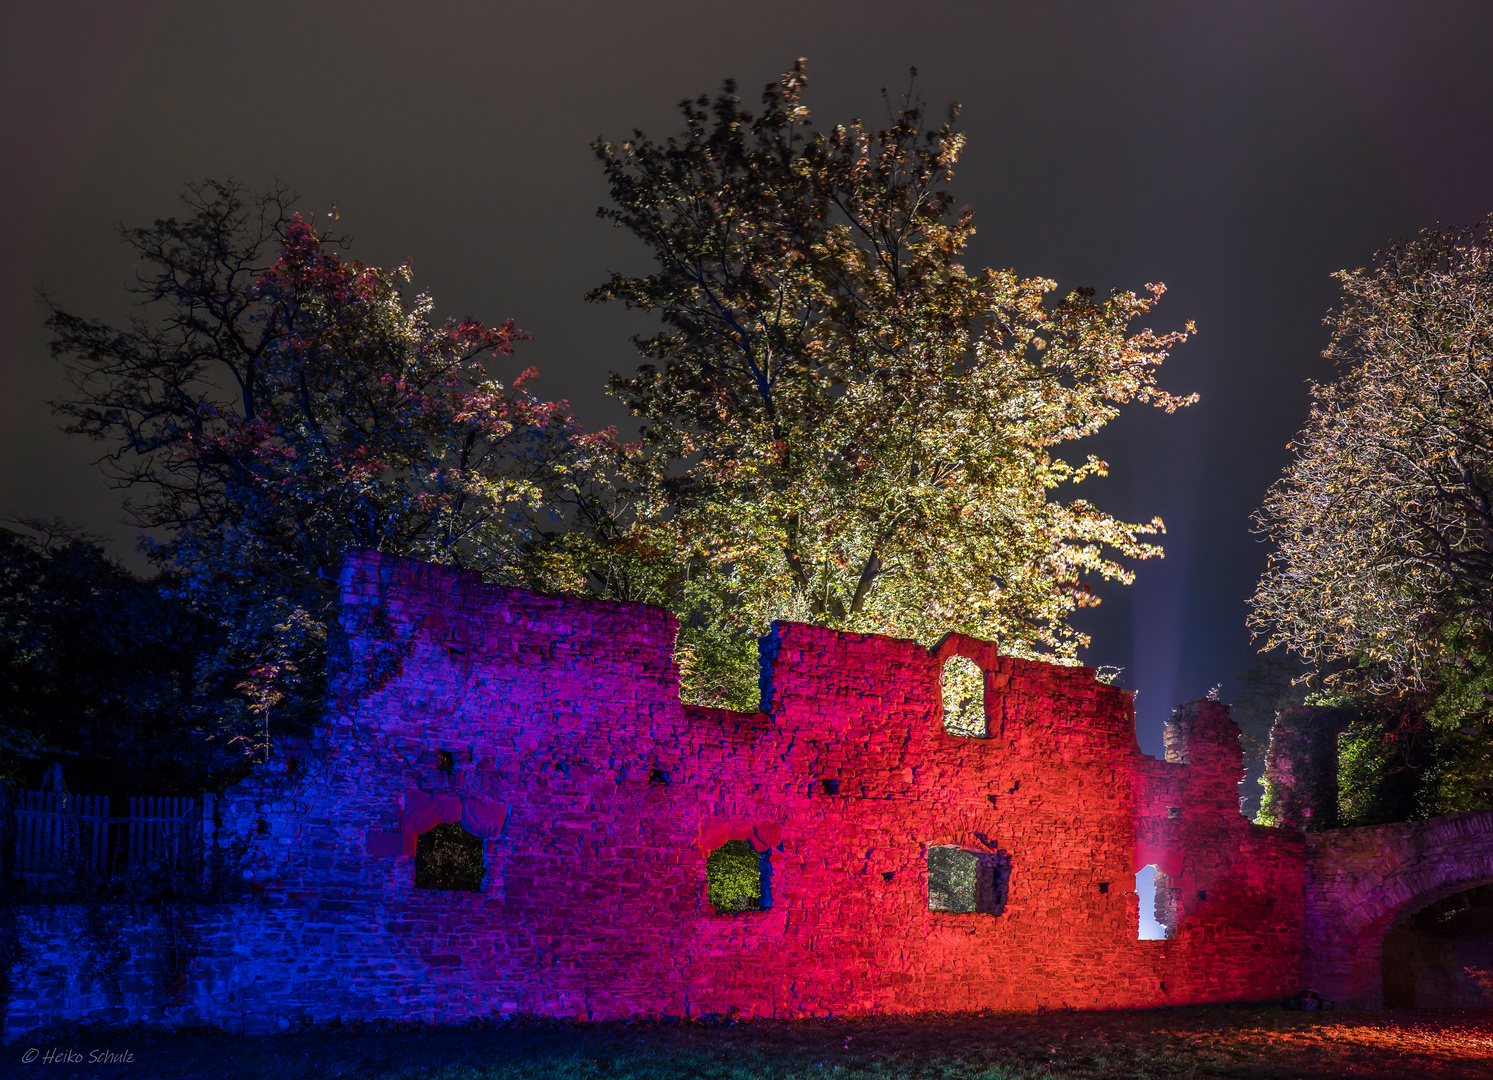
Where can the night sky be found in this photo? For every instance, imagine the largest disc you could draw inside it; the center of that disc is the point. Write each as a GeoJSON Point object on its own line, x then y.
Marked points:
{"type": "Point", "coordinates": [1238, 152]}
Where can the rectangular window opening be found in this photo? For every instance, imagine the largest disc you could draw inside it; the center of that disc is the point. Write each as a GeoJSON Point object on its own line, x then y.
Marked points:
{"type": "Point", "coordinates": [963, 686]}
{"type": "Point", "coordinates": [739, 878]}
{"type": "Point", "coordinates": [449, 858]}
{"type": "Point", "coordinates": [968, 882]}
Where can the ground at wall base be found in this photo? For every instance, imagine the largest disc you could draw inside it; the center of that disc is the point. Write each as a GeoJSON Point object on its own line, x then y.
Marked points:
{"type": "Point", "coordinates": [1237, 1041]}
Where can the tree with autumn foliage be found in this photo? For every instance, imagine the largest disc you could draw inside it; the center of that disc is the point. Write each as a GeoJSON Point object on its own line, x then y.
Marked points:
{"type": "Point", "coordinates": [1382, 571]}
{"type": "Point", "coordinates": [276, 404]}
{"type": "Point", "coordinates": [862, 433]}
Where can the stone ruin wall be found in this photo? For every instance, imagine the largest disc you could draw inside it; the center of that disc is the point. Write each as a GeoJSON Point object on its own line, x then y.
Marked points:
{"type": "Point", "coordinates": [1362, 882]}
{"type": "Point", "coordinates": [562, 721]}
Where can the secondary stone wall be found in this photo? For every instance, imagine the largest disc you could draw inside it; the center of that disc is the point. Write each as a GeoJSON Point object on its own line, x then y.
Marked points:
{"type": "Point", "coordinates": [1361, 882]}
{"type": "Point", "coordinates": [1300, 779]}
{"type": "Point", "coordinates": [599, 796]}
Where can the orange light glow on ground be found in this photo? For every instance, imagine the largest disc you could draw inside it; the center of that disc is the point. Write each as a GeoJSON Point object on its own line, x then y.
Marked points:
{"type": "Point", "coordinates": [1232, 1042]}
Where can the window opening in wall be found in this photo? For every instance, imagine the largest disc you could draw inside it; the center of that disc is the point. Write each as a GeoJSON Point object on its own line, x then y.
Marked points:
{"type": "Point", "coordinates": [964, 698]}
{"type": "Point", "coordinates": [831, 787]}
{"type": "Point", "coordinates": [1104, 887]}
{"type": "Point", "coordinates": [446, 762]}
{"type": "Point", "coordinates": [657, 776]}
{"type": "Point", "coordinates": [739, 878]}
{"type": "Point", "coordinates": [448, 857]}
{"type": "Point", "coordinates": [1158, 906]}
{"type": "Point", "coordinates": [965, 882]}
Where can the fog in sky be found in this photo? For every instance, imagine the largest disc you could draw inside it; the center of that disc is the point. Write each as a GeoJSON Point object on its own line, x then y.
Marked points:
{"type": "Point", "coordinates": [1238, 152]}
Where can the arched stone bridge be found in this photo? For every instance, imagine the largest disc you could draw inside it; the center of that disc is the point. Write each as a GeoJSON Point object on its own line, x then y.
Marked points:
{"type": "Point", "coordinates": [1361, 882]}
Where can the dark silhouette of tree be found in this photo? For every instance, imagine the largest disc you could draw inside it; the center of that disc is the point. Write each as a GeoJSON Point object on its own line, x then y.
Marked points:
{"type": "Point", "coordinates": [96, 671]}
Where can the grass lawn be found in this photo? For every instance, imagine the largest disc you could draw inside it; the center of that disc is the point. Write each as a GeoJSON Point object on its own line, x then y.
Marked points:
{"type": "Point", "coordinates": [1205, 1041]}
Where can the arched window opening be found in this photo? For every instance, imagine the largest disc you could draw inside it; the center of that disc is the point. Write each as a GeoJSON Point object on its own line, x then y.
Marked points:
{"type": "Point", "coordinates": [448, 857]}
{"type": "Point", "coordinates": [1158, 905]}
{"type": "Point", "coordinates": [1441, 957]}
{"type": "Point", "coordinates": [739, 878]}
{"type": "Point", "coordinates": [964, 698]}
{"type": "Point", "coordinates": [965, 882]}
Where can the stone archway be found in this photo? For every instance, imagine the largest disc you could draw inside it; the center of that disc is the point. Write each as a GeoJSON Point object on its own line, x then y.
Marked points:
{"type": "Point", "coordinates": [1360, 882]}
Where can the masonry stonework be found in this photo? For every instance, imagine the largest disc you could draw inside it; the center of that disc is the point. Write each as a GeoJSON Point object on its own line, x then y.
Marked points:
{"type": "Point", "coordinates": [1300, 778]}
{"type": "Point", "coordinates": [1362, 882]}
{"type": "Point", "coordinates": [553, 730]}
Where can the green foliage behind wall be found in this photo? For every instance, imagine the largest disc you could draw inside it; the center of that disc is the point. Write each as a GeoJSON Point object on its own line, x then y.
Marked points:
{"type": "Point", "coordinates": [734, 871]}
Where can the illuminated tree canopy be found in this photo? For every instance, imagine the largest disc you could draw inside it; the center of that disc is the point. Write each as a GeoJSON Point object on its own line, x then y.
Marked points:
{"type": "Point", "coordinates": [862, 433]}
{"type": "Point", "coordinates": [1381, 575]}
{"type": "Point", "coordinates": [841, 424]}
{"type": "Point", "coordinates": [1383, 522]}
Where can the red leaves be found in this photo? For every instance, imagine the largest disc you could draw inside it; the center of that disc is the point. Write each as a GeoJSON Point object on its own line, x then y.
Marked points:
{"type": "Point", "coordinates": [469, 335]}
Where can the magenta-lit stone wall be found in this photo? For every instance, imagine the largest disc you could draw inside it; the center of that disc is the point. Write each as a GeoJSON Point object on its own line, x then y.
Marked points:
{"type": "Point", "coordinates": [1361, 882]}
{"type": "Point", "coordinates": [562, 716]}
{"type": "Point", "coordinates": [558, 712]}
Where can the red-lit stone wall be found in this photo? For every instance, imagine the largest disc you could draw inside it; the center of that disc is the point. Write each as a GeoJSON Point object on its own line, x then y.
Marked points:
{"type": "Point", "coordinates": [562, 719]}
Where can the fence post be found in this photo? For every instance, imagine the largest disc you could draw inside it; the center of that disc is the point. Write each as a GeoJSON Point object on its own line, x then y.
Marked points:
{"type": "Point", "coordinates": [93, 811]}
{"type": "Point", "coordinates": [209, 837]}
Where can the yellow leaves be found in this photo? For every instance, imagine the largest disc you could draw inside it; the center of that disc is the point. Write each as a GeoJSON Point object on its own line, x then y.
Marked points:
{"type": "Point", "coordinates": [1377, 522]}
{"type": "Point", "coordinates": [873, 424]}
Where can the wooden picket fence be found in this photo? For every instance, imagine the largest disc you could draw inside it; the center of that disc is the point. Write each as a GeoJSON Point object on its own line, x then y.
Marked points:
{"type": "Point", "coordinates": [68, 834]}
